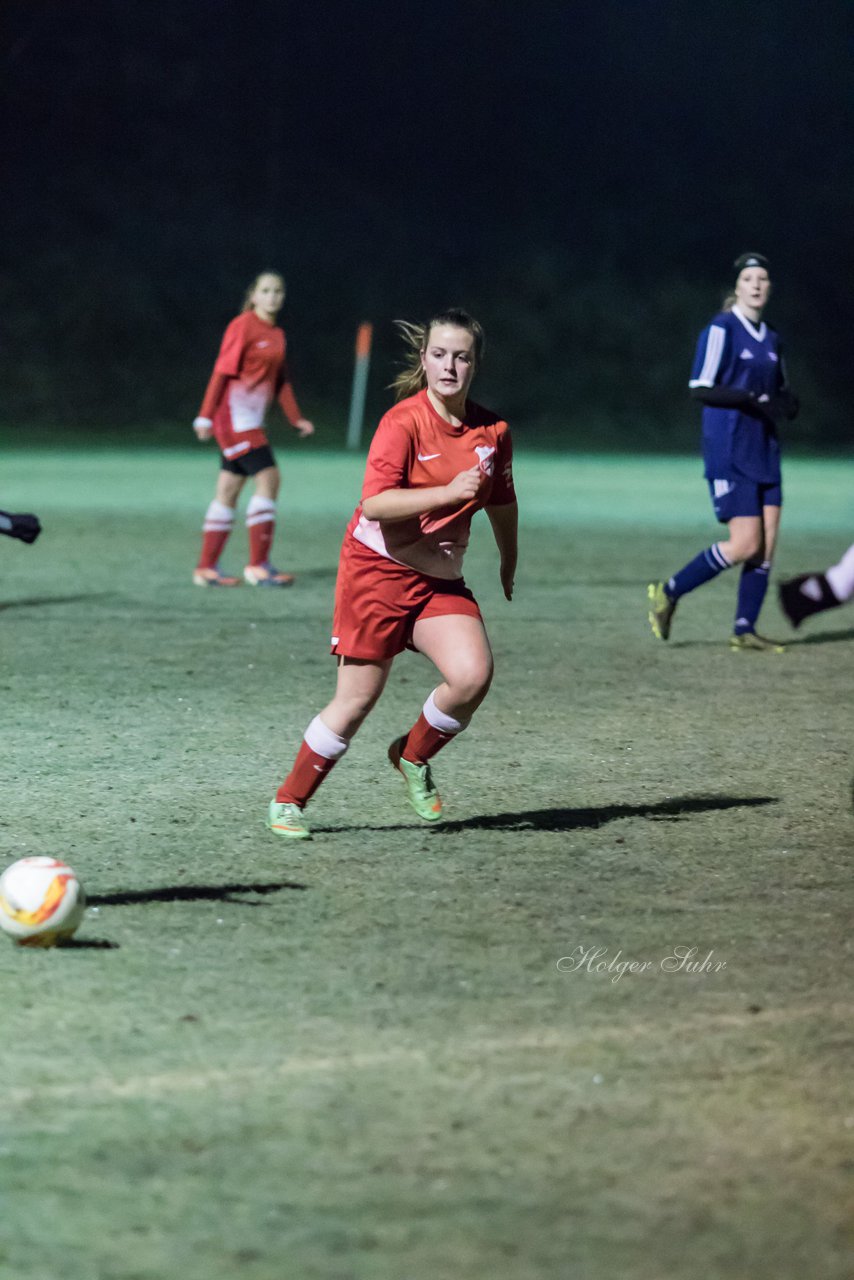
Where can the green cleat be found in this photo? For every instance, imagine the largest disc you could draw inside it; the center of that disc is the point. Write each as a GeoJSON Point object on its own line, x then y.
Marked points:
{"type": "Point", "coordinates": [287, 820]}
{"type": "Point", "coordinates": [749, 641]}
{"type": "Point", "coordinates": [661, 611]}
{"type": "Point", "coordinates": [420, 788]}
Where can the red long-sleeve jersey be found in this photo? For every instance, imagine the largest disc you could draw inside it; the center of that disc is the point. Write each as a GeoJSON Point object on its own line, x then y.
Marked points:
{"type": "Point", "coordinates": [415, 448]}
{"type": "Point", "coordinates": [250, 372]}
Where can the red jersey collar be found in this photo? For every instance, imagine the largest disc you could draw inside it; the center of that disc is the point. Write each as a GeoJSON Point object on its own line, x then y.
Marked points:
{"type": "Point", "coordinates": [446, 426]}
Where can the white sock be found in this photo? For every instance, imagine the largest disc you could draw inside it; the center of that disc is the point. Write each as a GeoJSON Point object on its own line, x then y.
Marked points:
{"type": "Point", "coordinates": [440, 719]}
{"type": "Point", "coordinates": [323, 741]}
{"type": "Point", "coordinates": [260, 510]}
{"type": "Point", "coordinates": [218, 516]}
{"type": "Point", "coordinates": [841, 577]}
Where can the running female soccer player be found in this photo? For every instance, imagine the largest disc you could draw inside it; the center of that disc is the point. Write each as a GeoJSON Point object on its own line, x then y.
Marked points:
{"type": "Point", "coordinates": [811, 593]}
{"type": "Point", "coordinates": [250, 371]}
{"type": "Point", "coordinates": [740, 379]}
{"type": "Point", "coordinates": [435, 459]}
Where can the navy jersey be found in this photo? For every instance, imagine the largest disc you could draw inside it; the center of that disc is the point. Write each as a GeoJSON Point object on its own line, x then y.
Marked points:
{"type": "Point", "coordinates": [732, 352]}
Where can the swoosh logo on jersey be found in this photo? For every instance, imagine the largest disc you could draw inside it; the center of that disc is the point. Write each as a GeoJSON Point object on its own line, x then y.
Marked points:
{"type": "Point", "coordinates": [262, 344]}
{"type": "Point", "coordinates": [427, 457]}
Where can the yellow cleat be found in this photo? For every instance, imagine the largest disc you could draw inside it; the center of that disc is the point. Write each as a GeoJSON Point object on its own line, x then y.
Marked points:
{"type": "Point", "coordinates": [661, 611]}
{"type": "Point", "coordinates": [750, 641]}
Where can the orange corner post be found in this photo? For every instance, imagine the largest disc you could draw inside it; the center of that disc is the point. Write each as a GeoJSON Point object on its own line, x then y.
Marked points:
{"type": "Point", "coordinates": [364, 338]}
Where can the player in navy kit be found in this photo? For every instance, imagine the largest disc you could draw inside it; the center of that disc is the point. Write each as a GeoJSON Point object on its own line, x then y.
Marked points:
{"type": "Point", "coordinates": [740, 379]}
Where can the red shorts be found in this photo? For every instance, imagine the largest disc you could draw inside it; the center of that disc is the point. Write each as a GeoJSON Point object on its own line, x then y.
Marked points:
{"type": "Point", "coordinates": [378, 602]}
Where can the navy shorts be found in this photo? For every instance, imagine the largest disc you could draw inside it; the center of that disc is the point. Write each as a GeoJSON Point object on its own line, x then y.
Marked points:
{"type": "Point", "coordinates": [743, 498]}
{"type": "Point", "coordinates": [249, 464]}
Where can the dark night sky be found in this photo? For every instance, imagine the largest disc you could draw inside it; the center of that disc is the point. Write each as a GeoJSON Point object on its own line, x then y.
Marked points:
{"type": "Point", "coordinates": [581, 175]}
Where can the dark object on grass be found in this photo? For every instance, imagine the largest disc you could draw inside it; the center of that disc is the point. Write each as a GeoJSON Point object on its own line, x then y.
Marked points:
{"type": "Point", "coordinates": [805, 595]}
{"type": "Point", "coordinates": [26, 527]}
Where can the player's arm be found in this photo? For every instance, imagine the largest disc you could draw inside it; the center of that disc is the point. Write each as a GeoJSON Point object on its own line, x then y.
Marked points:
{"type": "Point", "coordinates": [784, 404]}
{"type": "Point", "coordinates": [403, 504]}
{"type": "Point", "coordinates": [287, 399]}
{"type": "Point", "coordinates": [203, 422]}
{"type": "Point", "coordinates": [505, 525]}
{"type": "Point", "coordinates": [227, 367]}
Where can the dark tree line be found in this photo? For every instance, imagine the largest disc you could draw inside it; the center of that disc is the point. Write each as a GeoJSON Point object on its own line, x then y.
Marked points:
{"type": "Point", "coordinates": [579, 176]}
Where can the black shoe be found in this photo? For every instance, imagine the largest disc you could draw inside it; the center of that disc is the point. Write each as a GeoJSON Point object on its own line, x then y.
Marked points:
{"type": "Point", "coordinates": [807, 594]}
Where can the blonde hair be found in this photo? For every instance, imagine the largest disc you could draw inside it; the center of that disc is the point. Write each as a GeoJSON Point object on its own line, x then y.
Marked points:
{"type": "Point", "coordinates": [247, 297]}
{"type": "Point", "coordinates": [411, 377]}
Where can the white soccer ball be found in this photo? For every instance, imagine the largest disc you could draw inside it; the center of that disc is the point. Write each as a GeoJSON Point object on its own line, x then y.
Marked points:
{"type": "Point", "coordinates": [41, 902]}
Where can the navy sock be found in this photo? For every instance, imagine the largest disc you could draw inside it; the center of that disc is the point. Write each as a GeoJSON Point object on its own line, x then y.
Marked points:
{"type": "Point", "coordinates": [707, 565]}
{"type": "Point", "coordinates": [752, 586]}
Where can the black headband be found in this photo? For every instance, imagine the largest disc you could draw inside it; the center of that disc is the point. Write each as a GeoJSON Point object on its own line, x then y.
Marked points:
{"type": "Point", "coordinates": [749, 260]}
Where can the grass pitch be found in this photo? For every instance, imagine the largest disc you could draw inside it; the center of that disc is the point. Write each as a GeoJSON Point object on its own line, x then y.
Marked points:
{"type": "Point", "coordinates": [399, 1053]}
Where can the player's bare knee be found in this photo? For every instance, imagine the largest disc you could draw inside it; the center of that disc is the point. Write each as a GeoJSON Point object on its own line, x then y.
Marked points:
{"type": "Point", "coordinates": [745, 548]}
{"type": "Point", "coordinates": [471, 683]}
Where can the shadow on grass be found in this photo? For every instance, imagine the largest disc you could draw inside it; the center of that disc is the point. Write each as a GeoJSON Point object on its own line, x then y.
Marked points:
{"type": "Point", "coordinates": [790, 642]}
{"type": "Point", "coordinates": [87, 944]}
{"type": "Point", "coordinates": [37, 602]}
{"type": "Point", "coordinates": [671, 810]}
{"type": "Point", "coordinates": [826, 637]}
{"type": "Point", "coordinates": [191, 893]}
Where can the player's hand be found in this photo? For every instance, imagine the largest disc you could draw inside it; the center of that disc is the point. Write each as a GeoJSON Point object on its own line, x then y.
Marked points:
{"type": "Point", "coordinates": [304, 427]}
{"type": "Point", "coordinates": [784, 405]}
{"type": "Point", "coordinates": [203, 428]}
{"type": "Point", "coordinates": [508, 576]}
{"type": "Point", "coordinates": [464, 486]}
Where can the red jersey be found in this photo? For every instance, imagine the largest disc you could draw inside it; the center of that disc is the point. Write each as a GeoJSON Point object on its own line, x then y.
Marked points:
{"type": "Point", "coordinates": [250, 371]}
{"type": "Point", "coordinates": [415, 448]}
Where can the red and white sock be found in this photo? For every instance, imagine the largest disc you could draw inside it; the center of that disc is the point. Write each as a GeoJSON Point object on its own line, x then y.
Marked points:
{"type": "Point", "coordinates": [320, 751]}
{"type": "Point", "coordinates": [219, 521]}
{"type": "Point", "coordinates": [432, 731]}
{"type": "Point", "coordinates": [261, 523]}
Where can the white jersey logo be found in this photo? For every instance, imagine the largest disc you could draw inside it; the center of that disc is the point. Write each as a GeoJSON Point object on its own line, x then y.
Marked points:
{"type": "Point", "coordinates": [772, 355]}
{"type": "Point", "coordinates": [746, 354]}
{"type": "Point", "coordinates": [485, 457]}
{"type": "Point", "coordinates": [428, 457]}
{"type": "Point", "coordinates": [262, 344]}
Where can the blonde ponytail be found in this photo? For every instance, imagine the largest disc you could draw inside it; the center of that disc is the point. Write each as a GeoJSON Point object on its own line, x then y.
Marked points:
{"type": "Point", "coordinates": [411, 377]}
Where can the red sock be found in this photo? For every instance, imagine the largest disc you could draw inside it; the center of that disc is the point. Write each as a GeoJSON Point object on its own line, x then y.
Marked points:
{"type": "Point", "coordinates": [260, 541]}
{"type": "Point", "coordinates": [304, 778]}
{"type": "Point", "coordinates": [423, 741]}
{"type": "Point", "coordinates": [213, 541]}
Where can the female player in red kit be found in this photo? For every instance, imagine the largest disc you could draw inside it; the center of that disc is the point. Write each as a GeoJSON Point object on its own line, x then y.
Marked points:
{"type": "Point", "coordinates": [250, 371]}
{"type": "Point", "coordinates": [435, 460]}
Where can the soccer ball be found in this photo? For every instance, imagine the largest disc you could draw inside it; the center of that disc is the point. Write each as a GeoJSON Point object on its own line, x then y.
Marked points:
{"type": "Point", "coordinates": [41, 902]}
